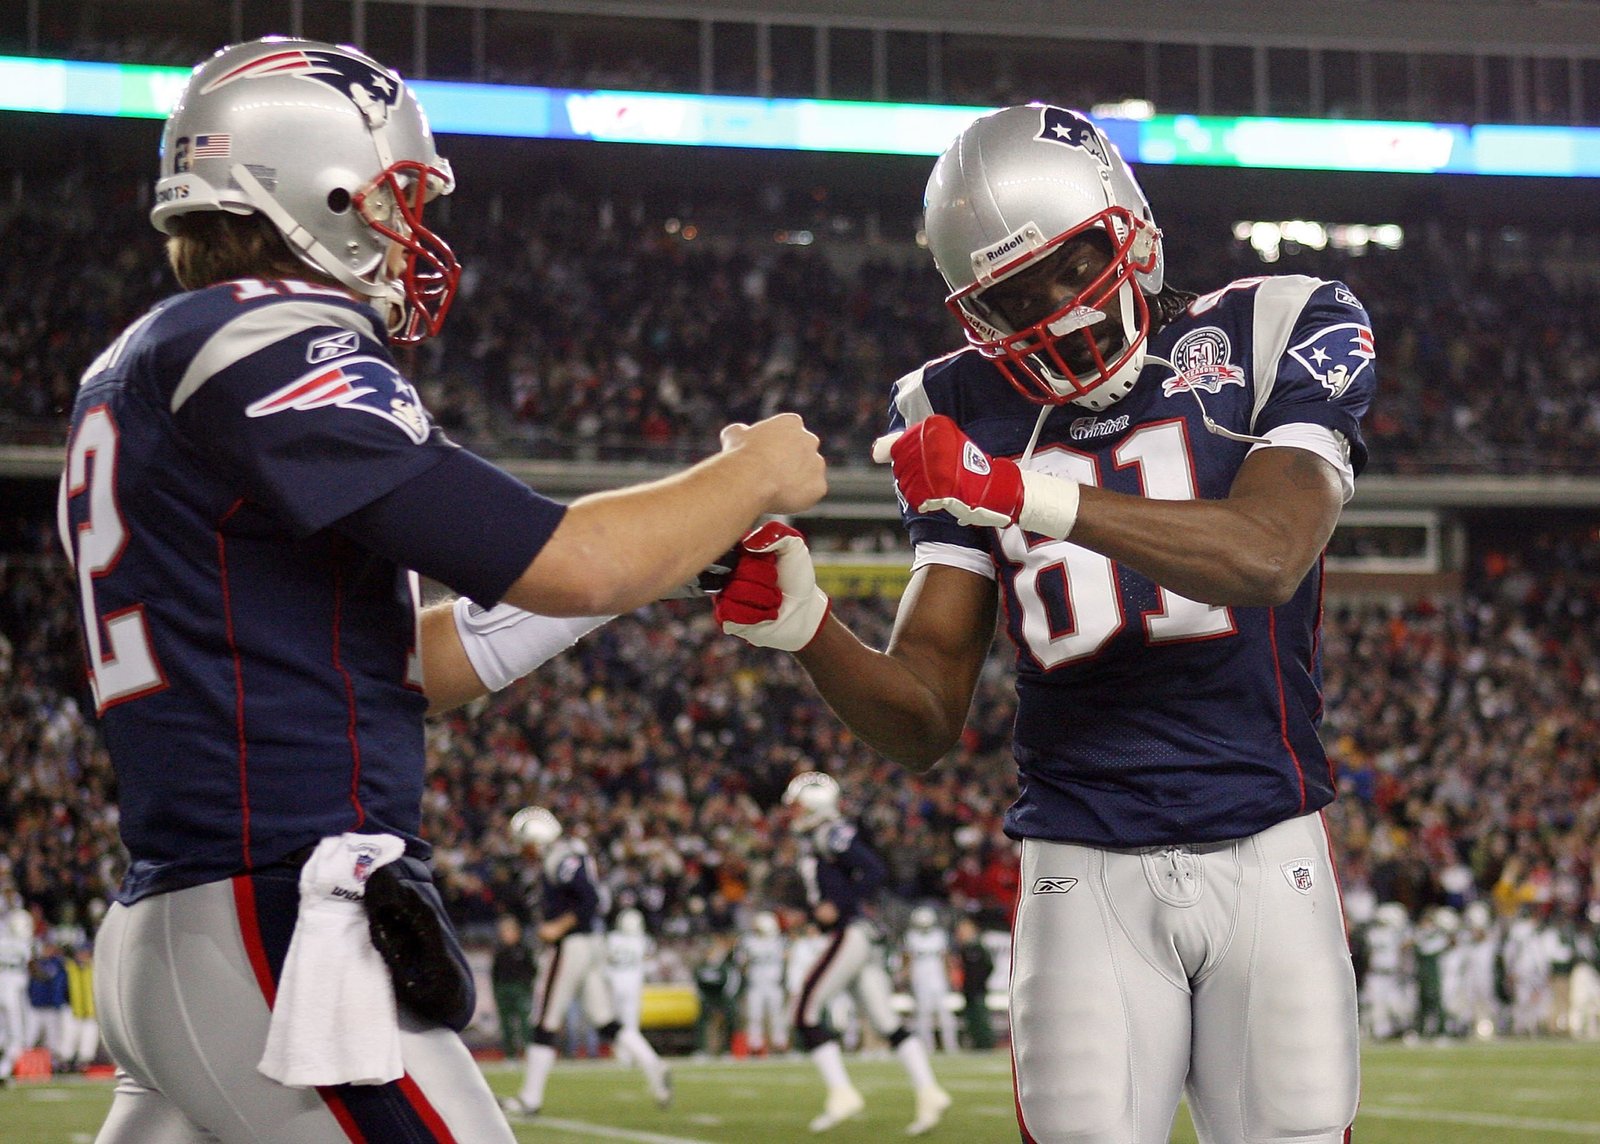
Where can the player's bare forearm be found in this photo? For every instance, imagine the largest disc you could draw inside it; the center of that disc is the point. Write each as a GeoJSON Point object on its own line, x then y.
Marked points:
{"type": "Point", "coordinates": [1251, 549]}
{"type": "Point", "coordinates": [618, 550]}
{"type": "Point", "coordinates": [910, 701]}
{"type": "Point", "coordinates": [447, 674]}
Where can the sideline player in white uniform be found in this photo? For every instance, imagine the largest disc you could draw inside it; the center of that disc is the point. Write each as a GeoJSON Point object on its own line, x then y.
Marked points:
{"type": "Point", "coordinates": [252, 492]}
{"type": "Point", "coordinates": [1387, 989]}
{"type": "Point", "coordinates": [761, 955]}
{"type": "Point", "coordinates": [1480, 948]}
{"type": "Point", "coordinates": [16, 949]}
{"type": "Point", "coordinates": [572, 964]}
{"type": "Point", "coordinates": [842, 876]}
{"type": "Point", "coordinates": [628, 952]}
{"type": "Point", "coordinates": [1146, 479]}
{"type": "Point", "coordinates": [927, 952]}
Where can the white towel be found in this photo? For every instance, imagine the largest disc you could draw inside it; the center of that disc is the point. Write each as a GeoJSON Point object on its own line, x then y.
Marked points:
{"type": "Point", "coordinates": [335, 1020]}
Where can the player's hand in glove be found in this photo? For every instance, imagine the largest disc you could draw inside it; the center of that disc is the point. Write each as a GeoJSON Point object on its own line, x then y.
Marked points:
{"type": "Point", "coordinates": [937, 466]}
{"type": "Point", "coordinates": [771, 598]}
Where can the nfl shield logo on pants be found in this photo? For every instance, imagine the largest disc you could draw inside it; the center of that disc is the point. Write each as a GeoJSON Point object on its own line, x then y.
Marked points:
{"type": "Point", "coordinates": [1299, 874]}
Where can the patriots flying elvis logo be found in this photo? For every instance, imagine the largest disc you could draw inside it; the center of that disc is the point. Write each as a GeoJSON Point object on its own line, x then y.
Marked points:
{"type": "Point", "coordinates": [1336, 355]}
{"type": "Point", "coordinates": [340, 72]}
{"type": "Point", "coordinates": [1068, 128]}
{"type": "Point", "coordinates": [368, 384]}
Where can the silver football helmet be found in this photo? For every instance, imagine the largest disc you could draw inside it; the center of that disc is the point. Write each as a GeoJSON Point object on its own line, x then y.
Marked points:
{"type": "Point", "coordinates": [814, 799]}
{"type": "Point", "coordinates": [333, 148]}
{"type": "Point", "coordinates": [535, 826]}
{"type": "Point", "coordinates": [1012, 188]}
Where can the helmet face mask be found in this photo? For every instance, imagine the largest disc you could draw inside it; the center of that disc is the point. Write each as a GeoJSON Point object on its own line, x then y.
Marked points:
{"type": "Point", "coordinates": [334, 150]}
{"type": "Point", "coordinates": [1070, 351]}
{"type": "Point", "coordinates": [1014, 189]}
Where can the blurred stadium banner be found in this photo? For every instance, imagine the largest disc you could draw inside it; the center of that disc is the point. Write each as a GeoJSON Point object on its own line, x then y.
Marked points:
{"type": "Point", "coordinates": [855, 576]}
{"type": "Point", "coordinates": [75, 87]}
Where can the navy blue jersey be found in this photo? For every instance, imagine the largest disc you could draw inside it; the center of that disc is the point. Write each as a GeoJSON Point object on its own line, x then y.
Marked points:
{"type": "Point", "coordinates": [838, 866]}
{"type": "Point", "coordinates": [1145, 718]}
{"type": "Point", "coordinates": [255, 670]}
{"type": "Point", "coordinates": [570, 884]}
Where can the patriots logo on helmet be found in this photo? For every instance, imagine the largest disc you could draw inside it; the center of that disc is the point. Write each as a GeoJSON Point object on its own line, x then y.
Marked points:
{"type": "Point", "coordinates": [369, 384]}
{"type": "Point", "coordinates": [1058, 125]}
{"type": "Point", "coordinates": [345, 74]}
{"type": "Point", "coordinates": [1336, 355]}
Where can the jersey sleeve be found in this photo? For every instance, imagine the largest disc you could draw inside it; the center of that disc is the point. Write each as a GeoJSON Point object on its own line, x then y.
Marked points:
{"type": "Point", "coordinates": [1320, 362]}
{"type": "Point", "coordinates": [299, 403]}
{"type": "Point", "coordinates": [934, 533]}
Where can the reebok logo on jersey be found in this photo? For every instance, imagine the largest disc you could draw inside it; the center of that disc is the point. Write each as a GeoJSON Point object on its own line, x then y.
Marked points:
{"type": "Point", "coordinates": [333, 346]}
{"type": "Point", "coordinates": [1300, 876]}
{"type": "Point", "coordinates": [368, 384]}
{"type": "Point", "coordinates": [973, 460]}
{"type": "Point", "coordinates": [1053, 885]}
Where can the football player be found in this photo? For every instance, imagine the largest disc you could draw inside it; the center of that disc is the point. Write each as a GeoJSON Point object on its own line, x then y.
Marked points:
{"type": "Point", "coordinates": [572, 964]}
{"type": "Point", "coordinates": [762, 951]}
{"type": "Point", "coordinates": [251, 490]}
{"type": "Point", "coordinates": [1138, 482]}
{"type": "Point", "coordinates": [927, 954]}
{"type": "Point", "coordinates": [843, 875]}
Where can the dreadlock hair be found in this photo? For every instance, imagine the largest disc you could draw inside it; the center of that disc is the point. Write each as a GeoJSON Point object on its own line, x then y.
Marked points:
{"type": "Point", "coordinates": [1167, 306]}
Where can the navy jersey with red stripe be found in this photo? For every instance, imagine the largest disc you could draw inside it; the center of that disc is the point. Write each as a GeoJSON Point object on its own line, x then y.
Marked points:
{"type": "Point", "coordinates": [838, 866]}
{"type": "Point", "coordinates": [570, 884]}
{"type": "Point", "coordinates": [1145, 718]}
{"type": "Point", "coordinates": [255, 671]}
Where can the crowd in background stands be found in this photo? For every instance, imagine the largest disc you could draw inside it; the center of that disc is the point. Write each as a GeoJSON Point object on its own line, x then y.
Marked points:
{"type": "Point", "coordinates": [1463, 734]}
{"type": "Point", "coordinates": [593, 328]}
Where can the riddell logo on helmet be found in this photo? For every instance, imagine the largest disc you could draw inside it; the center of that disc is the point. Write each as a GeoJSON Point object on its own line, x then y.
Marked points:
{"type": "Point", "coordinates": [973, 460]}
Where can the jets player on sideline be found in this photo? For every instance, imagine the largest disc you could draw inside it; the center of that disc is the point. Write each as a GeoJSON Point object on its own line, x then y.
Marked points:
{"type": "Point", "coordinates": [572, 964]}
{"type": "Point", "coordinates": [762, 950]}
{"type": "Point", "coordinates": [1145, 480]}
{"type": "Point", "coordinates": [251, 489]}
{"type": "Point", "coordinates": [842, 875]}
{"type": "Point", "coordinates": [927, 954]}
{"type": "Point", "coordinates": [1387, 991]}
{"type": "Point", "coordinates": [16, 951]}
{"type": "Point", "coordinates": [628, 952]}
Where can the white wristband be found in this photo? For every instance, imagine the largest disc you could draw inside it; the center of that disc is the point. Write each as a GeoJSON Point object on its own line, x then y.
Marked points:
{"type": "Point", "coordinates": [1049, 504]}
{"type": "Point", "coordinates": [504, 643]}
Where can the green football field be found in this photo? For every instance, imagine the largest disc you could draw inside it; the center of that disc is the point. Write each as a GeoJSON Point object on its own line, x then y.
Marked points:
{"type": "Point", "coordinates": [1507, 1093]}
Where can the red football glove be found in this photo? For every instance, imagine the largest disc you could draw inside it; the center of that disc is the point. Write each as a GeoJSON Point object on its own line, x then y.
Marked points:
{"type": "Point", "coordinates": [771, 598]}
{"type": "Point", "coordinates": [937, 466]}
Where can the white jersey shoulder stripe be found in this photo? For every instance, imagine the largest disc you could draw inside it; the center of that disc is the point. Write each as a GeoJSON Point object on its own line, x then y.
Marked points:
{"type": "Point", "coordinates": [911, 398]}
{"type": "Point", "coordinates": [1279, 301]}
{"type": "Point", "coordinates": [255, 330]}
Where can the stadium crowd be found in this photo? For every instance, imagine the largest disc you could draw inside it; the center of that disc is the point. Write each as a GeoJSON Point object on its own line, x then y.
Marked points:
{"type": "Point", "coordinates": [595, 328]}
{"type": "Point", "coordinates": [1462, 731]}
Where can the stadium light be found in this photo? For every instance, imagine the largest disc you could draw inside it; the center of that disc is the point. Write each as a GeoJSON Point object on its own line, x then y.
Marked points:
{"type": "Point", "coordinates": [73, 87]}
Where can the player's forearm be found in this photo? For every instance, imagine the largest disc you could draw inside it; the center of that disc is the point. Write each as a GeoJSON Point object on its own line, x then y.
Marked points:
{"type": "Point", "coordinates": [1251, 549]}
{"type": "Point", "coordinates": [883, 700]}
{"type": "Point", "coordinates": [448, 677]}
{"type": "Point", "coordinates": [616, 551]}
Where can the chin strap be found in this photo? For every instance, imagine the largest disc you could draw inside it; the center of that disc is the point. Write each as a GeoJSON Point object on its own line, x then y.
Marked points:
{"type": "Point", "coordinates": [1211, 426]}
{"type": "Point", "coordinates": [304, 241]}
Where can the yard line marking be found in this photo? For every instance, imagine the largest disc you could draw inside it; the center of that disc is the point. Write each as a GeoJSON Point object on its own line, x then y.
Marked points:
{"type": "Point", "coordinates": [601, 1131]}
{"type": "Point", "coordinates": [1484, 1120]}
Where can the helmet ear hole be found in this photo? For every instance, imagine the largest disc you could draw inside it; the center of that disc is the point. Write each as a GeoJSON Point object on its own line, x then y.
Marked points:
{"type": "Point", "coordinates": [338, 200]}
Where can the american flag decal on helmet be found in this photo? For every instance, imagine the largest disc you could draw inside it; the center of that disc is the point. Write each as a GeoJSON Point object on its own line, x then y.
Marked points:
{"type": "Point", "coordinates": [341, 72]}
